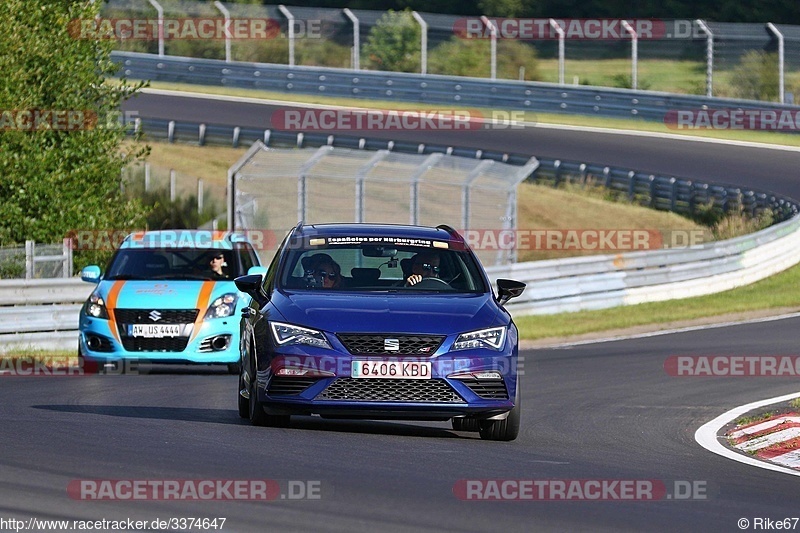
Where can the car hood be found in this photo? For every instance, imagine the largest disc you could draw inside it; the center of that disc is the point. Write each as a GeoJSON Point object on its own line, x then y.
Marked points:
{"type": "Point", "coordinates": [163, 294]}
{"type": "Point", "coordinates": [390, 313]}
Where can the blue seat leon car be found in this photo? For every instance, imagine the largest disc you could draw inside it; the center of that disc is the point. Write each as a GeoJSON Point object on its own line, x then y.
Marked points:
{"type": "Point", "coordinates": [379, 322]}
{"type": "Point", "coordinates": [167, 297]}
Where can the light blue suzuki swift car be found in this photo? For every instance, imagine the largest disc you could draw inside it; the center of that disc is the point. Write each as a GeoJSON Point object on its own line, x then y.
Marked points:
{"type": "Point", "coordinates": [167, 297]}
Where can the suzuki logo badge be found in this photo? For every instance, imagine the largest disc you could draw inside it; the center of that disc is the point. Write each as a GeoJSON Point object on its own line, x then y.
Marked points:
{"type": "Point", "coordinates": [154, 315]}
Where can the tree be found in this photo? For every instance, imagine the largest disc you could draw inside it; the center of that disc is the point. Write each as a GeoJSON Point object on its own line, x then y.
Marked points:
{"type": "Point", "coordinates": [394, 43]}
{"type": "Point", "coordinates": [63, 172]}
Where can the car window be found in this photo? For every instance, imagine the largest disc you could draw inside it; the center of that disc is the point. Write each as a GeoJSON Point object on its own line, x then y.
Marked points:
{"type": "Point", "coordinates": [247, 257]}
{"type": "Point", "coordinates": [173, 264]}
{"type": "Point", "coordinates": [363, 267]}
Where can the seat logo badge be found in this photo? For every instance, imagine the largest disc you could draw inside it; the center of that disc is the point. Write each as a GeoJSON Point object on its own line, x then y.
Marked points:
{"type": "Point", "coordinates": [154, 315]}
{"type": "Point", "coordinates": [391, 345]}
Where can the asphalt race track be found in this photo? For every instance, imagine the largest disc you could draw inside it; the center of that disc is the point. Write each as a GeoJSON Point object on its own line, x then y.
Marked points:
{"type": "Point", "coordinates": [606, 412]}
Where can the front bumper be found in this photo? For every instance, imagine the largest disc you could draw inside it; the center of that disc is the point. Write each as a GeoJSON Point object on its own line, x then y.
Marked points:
{"type": "Point", "coordinates": [98, 342]}
{"type": "Point", "coordinates": [330, 390]}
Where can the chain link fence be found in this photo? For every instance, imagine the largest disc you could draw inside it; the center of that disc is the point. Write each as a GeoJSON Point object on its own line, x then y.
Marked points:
{"type": "Point", "coordinates": [36, 261]}
{"type": "Point", "coordinates": [739, 60]}
{"type": "Point", "coordinates": [272, 189]}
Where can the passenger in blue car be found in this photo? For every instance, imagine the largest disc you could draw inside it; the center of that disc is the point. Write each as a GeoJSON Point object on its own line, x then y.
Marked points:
{"type": "Point", "coordinates": [322, 271]}
{"type": "Point", "coordinates": [423, 265]}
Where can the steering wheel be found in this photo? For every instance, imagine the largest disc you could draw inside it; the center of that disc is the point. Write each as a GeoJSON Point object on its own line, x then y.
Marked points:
{"type": "Point", "coordinates": [431, 283]}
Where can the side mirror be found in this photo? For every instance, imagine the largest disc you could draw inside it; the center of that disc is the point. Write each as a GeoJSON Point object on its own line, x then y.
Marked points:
{"type": "Point", "coordinates": [91, 274]}
{"type": "Point", "coordinates": [251, 284]}
{"type": "Point", "coordinates": [507, 289]}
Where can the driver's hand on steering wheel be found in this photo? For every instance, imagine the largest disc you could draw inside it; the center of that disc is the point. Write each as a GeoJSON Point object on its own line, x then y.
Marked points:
{"type": "Point", "coordinates": [413, 279]}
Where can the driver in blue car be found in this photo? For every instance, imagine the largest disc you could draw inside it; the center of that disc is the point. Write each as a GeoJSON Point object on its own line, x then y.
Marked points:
{"type": "Point", "coordinates": [323, 272]}
{"type": "Point", "coordinates": [423, 265]}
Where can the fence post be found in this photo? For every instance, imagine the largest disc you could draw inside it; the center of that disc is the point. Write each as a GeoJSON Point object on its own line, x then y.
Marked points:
{"type": "Point", "coordinates": [423, 69]}
{"type": "Point", "coordinates": [146, 176]}
{"type": "Point", "coordinates": [29, 251]}
{"type": "Point", "coordinates": [493, 45]}
{"type": "Point", "coordinates": [634, 54]}
{"type": "Point", "coordinates": [227, 15]}
{"type": "Point", "coordinates": [356, 58]}
{"type": "Point", "coordinates": [160, 11]}
{"type": "Point", "coordinates": [288, 14]}
{"type": "Point", "coordinates": [781, 78]}
{"type": "Point", "coordinates": [709, 57]}
{"type": "Point", "coordinates": [67, 251]}
{"type": "Point", "coordinates": [561, 34]}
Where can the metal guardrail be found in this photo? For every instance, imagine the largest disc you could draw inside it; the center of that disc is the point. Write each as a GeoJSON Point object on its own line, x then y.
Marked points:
{"type": "Point", "coordinates": [555, 286]}
{"type": "Point", "coordinates": [599, 282]}
{"type": "Point", "coordinates": [40, 314]}
{"type": "Point", "coordinates": [658, 191]}
{"type": "Point", "coordinates": [425, 89]}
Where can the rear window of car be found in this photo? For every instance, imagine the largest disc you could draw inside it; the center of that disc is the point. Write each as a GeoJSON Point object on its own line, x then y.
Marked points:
{"type": "Point", "coordinates": [370, 267]}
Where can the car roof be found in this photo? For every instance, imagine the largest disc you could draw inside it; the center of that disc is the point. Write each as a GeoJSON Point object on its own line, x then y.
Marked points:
{"type": "Point", "coordinates": [183, 238]}
{"type": "Point", "coordinates": [440, 233]}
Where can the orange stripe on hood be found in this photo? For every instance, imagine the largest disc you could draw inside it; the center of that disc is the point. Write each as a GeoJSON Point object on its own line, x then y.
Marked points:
{"type": "Point", "coordinates": [202, 305]}
{"type": "Point", "coordinates": [111, 305]}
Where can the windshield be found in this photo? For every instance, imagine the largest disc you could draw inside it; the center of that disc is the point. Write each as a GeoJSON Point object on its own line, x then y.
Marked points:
{"type": "Point", "coordinates": [369, 267]}
{"type": "Point", "coordinates": [174, 264]}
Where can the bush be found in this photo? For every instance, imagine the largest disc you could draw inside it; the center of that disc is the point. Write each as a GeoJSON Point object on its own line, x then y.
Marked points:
{"type": "Point", "coordinates": [756, 77]}
{"type": "Point", "coordinates": [471, 57]}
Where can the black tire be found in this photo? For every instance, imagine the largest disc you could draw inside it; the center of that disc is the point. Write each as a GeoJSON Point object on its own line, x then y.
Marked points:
{"type": "Point", "coordinates": [465, 424]}
{"type": "Point", "coordinates": [256, 411]}
{"type": "Point", "coordinates": [233, 368]}
{"type": "Point", "coordinates": [502, 430]}
{"type": "Point", "coordinates": [244, 403]}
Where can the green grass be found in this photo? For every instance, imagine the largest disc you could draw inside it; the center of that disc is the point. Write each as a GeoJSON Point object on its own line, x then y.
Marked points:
{"type": "Point", "coordinates": [781, 291]}
{"type": "Point", "coordinates": [541, 118]}
{"type": "Point", "coordinates": [745, 420]}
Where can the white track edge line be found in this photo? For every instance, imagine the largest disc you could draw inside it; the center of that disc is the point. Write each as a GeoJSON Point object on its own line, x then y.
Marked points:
{"type": "Point", "coordinates": [706, 435]}
{"type": "Point", "coordinates": [668, 331]}
{"type": "Point", "coordinates": [542, 125]}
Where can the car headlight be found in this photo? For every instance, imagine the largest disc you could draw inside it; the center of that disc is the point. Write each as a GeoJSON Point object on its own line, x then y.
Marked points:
{"type": "Point", "coordinates": [493, 338]}
{"type": "Point", "coordinates": [96, 307]}
{"type": "Point", "coordinates": [223, 306]}
{"type": "Point", "coordinates": [288, 335]}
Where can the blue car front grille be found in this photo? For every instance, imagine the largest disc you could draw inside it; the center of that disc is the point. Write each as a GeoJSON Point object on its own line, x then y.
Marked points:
{"type": "Point", "coordinates": [371, 344]}
{"type": "Point", "coordinates": [166, 344]}
{"type": "Point", "coordinates": [390, 390]}
{"type": "Point", "coordinates": [165, 316]}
